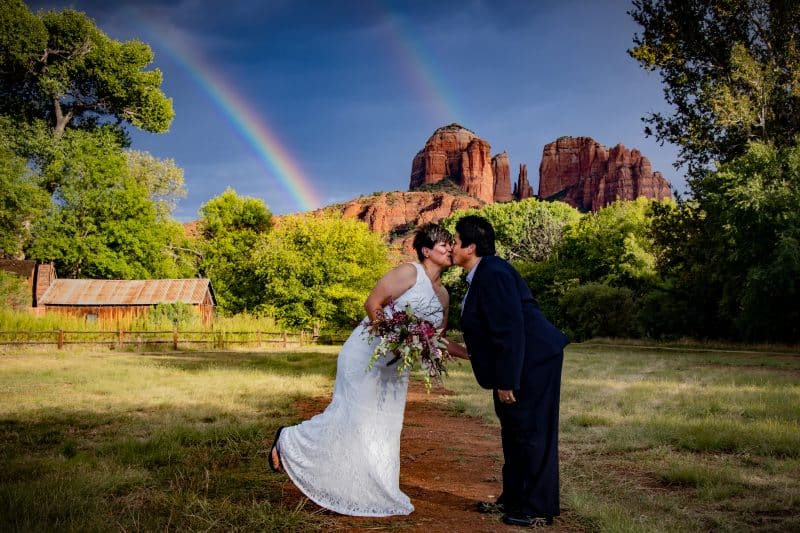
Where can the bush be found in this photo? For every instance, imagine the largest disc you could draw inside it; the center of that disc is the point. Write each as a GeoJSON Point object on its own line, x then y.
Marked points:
{"type": "Point", "coordinates": [176, 315]}
{"type": "Point", "coordinates": [546, 288]}
{"type": "Point", "coordinates": [598, 310]}
{"type": "Point", "coordinates": [661, 315]}
{"type": "Point", "coordinates": [14, 292]}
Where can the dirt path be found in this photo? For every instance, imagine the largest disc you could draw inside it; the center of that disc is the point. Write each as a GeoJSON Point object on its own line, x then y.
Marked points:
{"type": "Point", "coordinates": [447, 463]}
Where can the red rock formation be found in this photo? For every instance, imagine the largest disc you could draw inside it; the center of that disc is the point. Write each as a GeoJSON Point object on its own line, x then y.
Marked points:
{"type": "Point", "coordinates": [396, 214]}
{"type": "Point", "coordinates": [523, 189]}
{"type": "Point", "coordinates": [502, 178]}
{"type": "Point", "coordinates": [589, 176]}
{"type": "Point", "coordinates": [456, 153]}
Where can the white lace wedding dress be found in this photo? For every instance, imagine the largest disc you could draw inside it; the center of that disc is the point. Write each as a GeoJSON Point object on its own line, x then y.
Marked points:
{"type": "Point", "coordinates": [347, 458]}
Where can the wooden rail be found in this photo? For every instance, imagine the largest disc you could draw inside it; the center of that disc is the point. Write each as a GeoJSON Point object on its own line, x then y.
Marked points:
{"type": "Point", "coordinates": [120, 338]}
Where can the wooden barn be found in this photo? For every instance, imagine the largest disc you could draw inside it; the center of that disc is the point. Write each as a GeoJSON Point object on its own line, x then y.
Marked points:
{"type": "Point", "coordinates": [115, 300]}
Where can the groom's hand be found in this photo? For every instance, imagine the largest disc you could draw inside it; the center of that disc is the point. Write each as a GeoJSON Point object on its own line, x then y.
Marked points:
{"type": "Point", "coordinates": [506, 396]}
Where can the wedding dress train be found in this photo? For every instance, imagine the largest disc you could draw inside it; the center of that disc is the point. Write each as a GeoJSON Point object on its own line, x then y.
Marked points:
{"type": "Point", "coordinates": [347, 458]}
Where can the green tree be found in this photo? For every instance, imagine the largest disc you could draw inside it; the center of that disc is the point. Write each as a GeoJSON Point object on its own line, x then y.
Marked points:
{"type": "Point", "coordinates": [611, 246]}
{"type": "Point", "coordinates": [162, 179]}
{"type": "Point", "coordinates": [731, 72]}
{"type": "Point", "coordinates": [59, 67]}
{"type": "Point", "coordinates": [319, 269]}
{"type": "Point", "coordinates": [735, 251]}
{"type": "Point", "coordinates": [230, 226]}
{"type": "Point", "coordinates": [528, 230]}
{"type": "Point", "coordinates": [100, 222]}
{"type": "Point", "coordinates": [20, 202]}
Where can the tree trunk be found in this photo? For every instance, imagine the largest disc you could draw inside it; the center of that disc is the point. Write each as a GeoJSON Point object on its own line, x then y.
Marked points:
{"type": "Point", "coordinates": [61, 119]}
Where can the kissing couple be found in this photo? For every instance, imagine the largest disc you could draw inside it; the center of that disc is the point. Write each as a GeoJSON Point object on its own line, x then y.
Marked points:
{"type": "Point", "coordinates": [347, 458]}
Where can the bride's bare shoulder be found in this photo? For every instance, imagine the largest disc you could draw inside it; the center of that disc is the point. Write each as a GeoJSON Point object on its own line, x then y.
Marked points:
{"type": "Point", "coordinates": [404, 275]}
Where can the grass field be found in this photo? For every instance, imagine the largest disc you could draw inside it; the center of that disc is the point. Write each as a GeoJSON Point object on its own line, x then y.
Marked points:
{"type": "Point", "coordinates": [651, 440]}
{"type": "Point", "coordinates": [675, 439]}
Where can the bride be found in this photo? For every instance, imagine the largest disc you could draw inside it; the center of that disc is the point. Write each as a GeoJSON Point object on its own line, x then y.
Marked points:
{"type": "Point", "coordinates": [347, 458]}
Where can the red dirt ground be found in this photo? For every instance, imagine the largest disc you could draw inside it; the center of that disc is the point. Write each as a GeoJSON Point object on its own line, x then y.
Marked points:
{"type": "Point", "coordinates": [447, 464]}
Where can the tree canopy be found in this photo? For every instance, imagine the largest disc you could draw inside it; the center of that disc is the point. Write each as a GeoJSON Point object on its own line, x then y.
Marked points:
{"type": "Point", "coordinates": [731, 72]}
{"type": "Point", "coordinates": [100, 222]}
{"type": "Point", "coordinates": [22, 198]}
{"type": "Point", "coordinates": [59, 67]}
{"type": "Point", "coordinates": [230, 226]}
{"type": "Point", "coordinates": [319, 269]}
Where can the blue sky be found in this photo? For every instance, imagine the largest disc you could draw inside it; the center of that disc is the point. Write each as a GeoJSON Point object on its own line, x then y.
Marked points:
{"type": "Point", "coordinates": [350, 90]}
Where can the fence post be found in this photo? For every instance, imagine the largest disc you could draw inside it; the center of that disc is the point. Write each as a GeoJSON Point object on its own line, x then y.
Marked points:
{"type": "Point", "coordinates": [175, 339]}
{"type": "Point", "coordinates": [285, 340]}
{"type": "Point", "coordinates": [119, 339]}
{"type": "Point", "coordinates": [60, 339]}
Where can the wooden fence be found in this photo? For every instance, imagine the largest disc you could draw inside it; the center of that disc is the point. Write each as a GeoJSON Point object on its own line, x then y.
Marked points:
{"type": "Point", "coordinates": [140, 339]}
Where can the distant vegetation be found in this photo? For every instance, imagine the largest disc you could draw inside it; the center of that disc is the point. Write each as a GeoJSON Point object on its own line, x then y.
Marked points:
{"type": "Point", "coordinates": [446, 185]}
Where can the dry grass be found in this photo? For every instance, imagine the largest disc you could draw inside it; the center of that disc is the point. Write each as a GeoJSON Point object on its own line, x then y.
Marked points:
{"type": "Point", "coordinates": [674, 439]}
{"type": "Point", "coordinates": [651, 439]}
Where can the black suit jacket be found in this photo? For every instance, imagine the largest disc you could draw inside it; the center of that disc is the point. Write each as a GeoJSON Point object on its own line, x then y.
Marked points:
{"type": "Point", "coordinates": [505, 331]}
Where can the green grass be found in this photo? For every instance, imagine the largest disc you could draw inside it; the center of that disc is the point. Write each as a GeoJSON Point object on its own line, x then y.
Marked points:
{"type": "Point", "coordinates": [673, 438]}
{"type": "Point", "coordinates": [677, 439]}
{"type": "Point", "coordinates": [105, 441]}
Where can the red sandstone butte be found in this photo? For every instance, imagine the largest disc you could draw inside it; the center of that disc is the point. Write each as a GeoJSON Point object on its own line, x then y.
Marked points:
{"type": "Point", "coordinates": [587, 175]}
{"type": "Point", "coordinates": [455, 153]}
{"type": "Point", "coordinates": [502, 178]}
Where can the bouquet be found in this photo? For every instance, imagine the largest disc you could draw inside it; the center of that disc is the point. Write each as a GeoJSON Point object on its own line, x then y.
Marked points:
{"type": "Point", "coordinates": [407, 337]}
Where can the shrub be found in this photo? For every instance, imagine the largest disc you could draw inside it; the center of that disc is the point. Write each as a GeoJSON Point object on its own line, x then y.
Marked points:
{"type": "Point", "coordinates": [661, 314]}
{"type": "Point", "coordinates": [598, 310]}
{"type": "Point", "coordinates": [14, 292]}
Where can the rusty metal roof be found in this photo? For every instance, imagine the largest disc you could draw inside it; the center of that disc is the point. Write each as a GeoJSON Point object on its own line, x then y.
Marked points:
{"type": "Point", "coordinates": [126, 292]}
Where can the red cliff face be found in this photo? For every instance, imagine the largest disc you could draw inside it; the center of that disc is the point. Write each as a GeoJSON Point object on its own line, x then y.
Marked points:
{"type": "Point", "coordinates": [502, 178]}
{"type": "Point", "coordinates": [588, 176]}
{"type": "Point", "coordinates": [395, 214]}
{"type": "Point", "coordinates": [456, 153]}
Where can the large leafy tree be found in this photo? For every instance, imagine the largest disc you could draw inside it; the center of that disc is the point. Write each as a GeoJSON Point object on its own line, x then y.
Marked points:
{"type": "Point", "coordinates": [731, 73]}
{"type": "Point", "coordinates": [736, 260]}
{"type": "Point", "coordinates": [611, 246]}
{"type": "Point", "coordinates": [59, 67]}
{"type": "Point", "coordinates": [319, 269]}
{"type": "Point", "coordinates": [100, 222]}
{"type": "Point", "coordinates": [22, 198]}
{"type": "Point", "coordinates": [230, 226]}
{"type": "Point", "coordinates": [161, 178]}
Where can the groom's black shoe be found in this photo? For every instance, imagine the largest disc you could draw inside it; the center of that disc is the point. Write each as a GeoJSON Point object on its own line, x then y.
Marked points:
{"type": "Point", "coordinates": [523, 520]}
{"type": "Point", "coordinates": [489, 507]}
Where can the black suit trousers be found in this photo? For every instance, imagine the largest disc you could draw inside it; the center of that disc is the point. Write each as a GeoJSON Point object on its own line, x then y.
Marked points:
{"type": "Point", "coordinates": [529, 431]}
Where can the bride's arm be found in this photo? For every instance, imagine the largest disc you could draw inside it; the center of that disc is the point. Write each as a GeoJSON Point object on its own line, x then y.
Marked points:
{"type": "Point", "coordinates": [394, 283]}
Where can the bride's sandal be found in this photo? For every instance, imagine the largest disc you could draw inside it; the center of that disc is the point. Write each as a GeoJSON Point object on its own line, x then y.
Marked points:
{"type": "Point", "coordinates": [274, 455]}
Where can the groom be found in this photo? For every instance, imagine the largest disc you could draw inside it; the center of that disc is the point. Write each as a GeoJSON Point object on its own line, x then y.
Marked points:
{"type": "Point", "coordinates": [516, 352]}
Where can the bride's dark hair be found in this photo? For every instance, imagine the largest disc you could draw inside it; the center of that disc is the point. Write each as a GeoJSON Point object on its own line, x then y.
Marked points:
{"type": "Point", "coordinates": [428, 235]}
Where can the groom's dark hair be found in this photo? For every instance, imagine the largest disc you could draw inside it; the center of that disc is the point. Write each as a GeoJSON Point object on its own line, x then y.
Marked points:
{"type": "Point", "coordinates": [476, 230]}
